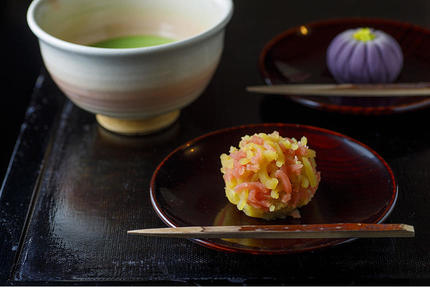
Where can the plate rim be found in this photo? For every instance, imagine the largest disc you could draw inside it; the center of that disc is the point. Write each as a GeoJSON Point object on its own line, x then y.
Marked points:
{"type": "Point", "coordinates": [349, 109]}
{"type": "Point", "coordinates": [219, 247]}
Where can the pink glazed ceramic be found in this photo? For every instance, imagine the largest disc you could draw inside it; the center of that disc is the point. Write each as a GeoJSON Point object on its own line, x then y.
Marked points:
{"type": "Point", "coordinates": [135, 90]}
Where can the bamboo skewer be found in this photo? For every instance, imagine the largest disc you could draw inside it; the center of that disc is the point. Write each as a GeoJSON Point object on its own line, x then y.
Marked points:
{"type": "Point", "coordinates": [338, 230]}
{"type": "Point", "coordinates": [347, 90]}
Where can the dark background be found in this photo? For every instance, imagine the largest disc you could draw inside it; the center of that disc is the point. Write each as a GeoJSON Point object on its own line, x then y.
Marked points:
{"type": "Point", "coordinates": [21, 64]}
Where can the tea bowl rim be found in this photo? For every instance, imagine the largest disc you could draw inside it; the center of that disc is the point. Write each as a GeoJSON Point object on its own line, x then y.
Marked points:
{"type": "Point", "coordinates": [88, 50]}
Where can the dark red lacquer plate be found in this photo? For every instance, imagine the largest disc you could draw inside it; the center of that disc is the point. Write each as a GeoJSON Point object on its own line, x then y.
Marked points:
{"type": "Point", "coordinates": [357, 185]}
{"type": "Point", "coordinates": [299, 56]}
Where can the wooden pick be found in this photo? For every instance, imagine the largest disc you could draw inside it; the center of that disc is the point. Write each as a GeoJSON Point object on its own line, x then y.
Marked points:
{"type": "Point", "coordinates": [346, 90]}
{"type": "Point", "coordinates": [337, 230]}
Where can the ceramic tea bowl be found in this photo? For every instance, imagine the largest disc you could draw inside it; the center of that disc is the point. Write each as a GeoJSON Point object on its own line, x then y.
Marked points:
{"type": "Point", "coordinates": [131, 90]}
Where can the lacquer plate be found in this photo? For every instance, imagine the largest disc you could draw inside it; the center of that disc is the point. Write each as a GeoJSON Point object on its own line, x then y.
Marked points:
{"type": "Point", "coordinates": [298, 55]}
{"type": "Point", "coordinates": [357, 185]}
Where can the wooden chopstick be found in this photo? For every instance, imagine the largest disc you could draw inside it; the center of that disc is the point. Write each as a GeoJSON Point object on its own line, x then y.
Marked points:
{"type": "Point", "coordinates": [337, 230]}
{"type": "Point", "coordinates": [346, 90]}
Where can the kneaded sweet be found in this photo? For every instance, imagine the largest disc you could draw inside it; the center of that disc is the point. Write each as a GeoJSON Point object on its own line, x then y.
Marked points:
{"type": "Point", "coordinates": [364, 55]}
{"type": "Point", "coordinates": [270, 176]}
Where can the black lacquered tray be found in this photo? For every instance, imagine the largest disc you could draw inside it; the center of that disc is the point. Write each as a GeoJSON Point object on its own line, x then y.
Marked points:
{"type": "Point", "coordinates": [85, 187]}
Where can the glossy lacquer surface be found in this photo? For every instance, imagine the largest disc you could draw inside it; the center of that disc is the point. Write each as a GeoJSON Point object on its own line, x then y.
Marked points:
{"type": "Point", "coordinates": [357, 185]}
{"type": "Point", "coordinates": [73, 189]}
{"type": "Point", "coordinates": [298, 55]}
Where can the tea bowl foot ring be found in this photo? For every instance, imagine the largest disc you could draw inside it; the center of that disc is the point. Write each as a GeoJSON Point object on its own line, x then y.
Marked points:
{"type": "Point", "coordinates": [137, 126]}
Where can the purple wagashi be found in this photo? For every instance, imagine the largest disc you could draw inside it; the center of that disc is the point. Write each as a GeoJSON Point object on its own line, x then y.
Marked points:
{"type": "Point", "coordinates": [364, 55]}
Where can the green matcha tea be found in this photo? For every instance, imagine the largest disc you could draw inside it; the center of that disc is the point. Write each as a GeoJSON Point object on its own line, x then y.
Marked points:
{"type": "Point", "coordinates": [138, 41]}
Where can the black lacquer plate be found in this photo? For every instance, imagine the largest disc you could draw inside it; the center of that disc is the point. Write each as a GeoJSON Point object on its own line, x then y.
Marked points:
{"type": "Point", "coordinates": [298, 55]}
{"type": "Point", "coordinates": [357, 185]}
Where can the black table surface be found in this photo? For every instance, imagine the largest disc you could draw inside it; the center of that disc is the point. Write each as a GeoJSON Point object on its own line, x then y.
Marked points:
{"type": "Point", "coordinates": [72, 189]}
